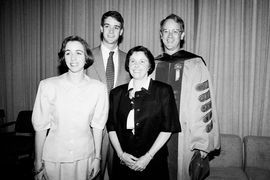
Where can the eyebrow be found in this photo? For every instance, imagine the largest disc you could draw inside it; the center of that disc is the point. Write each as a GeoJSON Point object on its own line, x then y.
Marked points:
{"type": "Point", "coordinates": [110, 25]}
{"type": "Point", "coordinates": [172, 29]}
{"type": "Point", "coordinates": [76, 50]}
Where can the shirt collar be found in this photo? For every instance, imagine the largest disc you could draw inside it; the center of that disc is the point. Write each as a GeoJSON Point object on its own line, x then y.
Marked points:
{"type": "Point", "coordinates": [82, 86]}
{"type": "Point", "coordinates": [145, 87]}
{"type": "Point", "coordinates": [105, 50]}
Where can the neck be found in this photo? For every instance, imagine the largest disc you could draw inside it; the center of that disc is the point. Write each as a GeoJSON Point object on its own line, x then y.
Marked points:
{"type": "Point", "coordinates": [75, 78]}
{"type": "Point", "coordinates": [171, 52]}
{"type": "Point", "coordinates": [110, 46]}
{"type": "Point", "coordinates": [138, 84]}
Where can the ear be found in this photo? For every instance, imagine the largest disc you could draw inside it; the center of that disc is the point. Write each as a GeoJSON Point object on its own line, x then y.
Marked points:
{"type": "Point", "coordinates": [182, 36]}
{"type": "Point", "coordinates": [101, 29]}
{"type": "Point", "coordinates": [160, 35]}
{"type": "Point", "coordinates": [121, 31]}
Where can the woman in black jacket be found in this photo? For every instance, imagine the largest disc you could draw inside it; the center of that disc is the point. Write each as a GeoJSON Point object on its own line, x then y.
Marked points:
{"type": "Point", "coordinates": [142, 117]}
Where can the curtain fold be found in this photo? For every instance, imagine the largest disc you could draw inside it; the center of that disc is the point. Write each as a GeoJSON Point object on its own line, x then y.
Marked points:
{"type": "Point", "coordinates": [231, 35]}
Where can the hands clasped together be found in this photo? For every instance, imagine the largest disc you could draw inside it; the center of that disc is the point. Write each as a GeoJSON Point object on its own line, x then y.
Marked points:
{"type": "Point", "coordinates": [136, 164]}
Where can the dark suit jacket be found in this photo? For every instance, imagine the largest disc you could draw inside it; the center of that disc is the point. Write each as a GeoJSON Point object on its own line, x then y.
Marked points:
{"type": "Point", "coordinates": [97, 70]}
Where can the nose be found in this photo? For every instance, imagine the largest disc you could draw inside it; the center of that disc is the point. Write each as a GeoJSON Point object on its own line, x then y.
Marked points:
{"type": "Point", "coordinates": [111, 30]}
{"type": "Point", "coordinates": [170, 33]}
{"type": "Point", "coordinates": [136, 64]}
{"type": "Point", "coordinates": [73, 57]}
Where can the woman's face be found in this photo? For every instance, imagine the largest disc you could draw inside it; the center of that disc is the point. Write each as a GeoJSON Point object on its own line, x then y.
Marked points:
{"type": "Point", "coordinates": [139, 65]}
{"type": "Point", "coordinates": [75, 56]}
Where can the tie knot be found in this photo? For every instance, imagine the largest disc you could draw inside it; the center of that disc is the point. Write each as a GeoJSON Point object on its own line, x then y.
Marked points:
{"type": "Point", "coordinates": [111, 53]}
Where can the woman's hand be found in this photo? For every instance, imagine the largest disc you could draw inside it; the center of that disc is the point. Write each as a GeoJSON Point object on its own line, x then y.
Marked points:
{"type": "Point", "coordinates": [42, 175]}
{"type": "Point", "coordinates": [203, 154]}
{"type": "Point", "coordinates": [39, 167]}
{"type": "Point", "coordinates": [128, 159]}
{"type": "Point", "coordinates": [94, 168]}
{"type": "Point", "coordinates": [142, 162]}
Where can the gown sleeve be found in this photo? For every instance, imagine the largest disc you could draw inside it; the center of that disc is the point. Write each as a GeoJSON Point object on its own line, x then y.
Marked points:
{"type": "Point", "coordinates": [199, 111]}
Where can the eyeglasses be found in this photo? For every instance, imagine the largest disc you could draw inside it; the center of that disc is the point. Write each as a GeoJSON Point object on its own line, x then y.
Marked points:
{"type": "Point", "coordinates": [174, 32]}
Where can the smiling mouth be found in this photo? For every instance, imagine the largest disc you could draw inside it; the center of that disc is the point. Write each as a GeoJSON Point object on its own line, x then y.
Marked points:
{"type": "Point", "coordinates": [74, 64]}
{"type": "Point", "coordinates": [136, 71]}
{"type": "Point", "coordinates": [170, 40]}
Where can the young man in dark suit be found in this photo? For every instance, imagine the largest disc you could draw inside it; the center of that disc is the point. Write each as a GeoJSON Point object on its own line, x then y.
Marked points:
{"type": "Point", "coordinates": [111, 28]}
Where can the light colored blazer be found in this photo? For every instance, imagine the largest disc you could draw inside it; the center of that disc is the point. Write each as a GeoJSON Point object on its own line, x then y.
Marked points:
{"type": "Point", "coordinates": [97, 70]}
{"type": "Point", "coordinates": [58, 106]}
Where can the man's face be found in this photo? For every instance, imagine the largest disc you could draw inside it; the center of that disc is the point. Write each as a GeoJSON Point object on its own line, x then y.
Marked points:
{"type": "Point", "coordinates": [111, 30]}
{"type": "Point", "coordinates": [171, 35]}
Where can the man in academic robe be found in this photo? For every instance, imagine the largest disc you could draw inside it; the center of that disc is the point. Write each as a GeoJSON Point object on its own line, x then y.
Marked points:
{"type": "Point", "coordinates": [187, 73]}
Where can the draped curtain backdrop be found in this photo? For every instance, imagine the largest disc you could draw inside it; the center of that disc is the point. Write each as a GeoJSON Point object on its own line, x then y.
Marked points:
{"type": "Point", "coordinates": [231, 35]}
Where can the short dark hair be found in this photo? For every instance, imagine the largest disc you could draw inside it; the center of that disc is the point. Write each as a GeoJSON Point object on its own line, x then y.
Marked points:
{"type": "Point", "coordinates": [114, 14]}
{"type": "Point", "coordinates": [146, 52]}
{"type": "Point", "coordinates": [89, 59]}
{"type": "Point", "coordinates": [176, 18]}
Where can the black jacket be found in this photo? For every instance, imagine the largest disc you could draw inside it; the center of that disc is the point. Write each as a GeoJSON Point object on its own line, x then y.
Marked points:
{"type": "Point", "coordinates": [155, 111]}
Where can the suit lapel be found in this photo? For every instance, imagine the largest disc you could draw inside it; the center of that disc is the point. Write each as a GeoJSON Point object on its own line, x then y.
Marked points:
{"type": "Point", "coordinates": [99, 64]}
{"type": "Point", "coordinates": [121, 68]}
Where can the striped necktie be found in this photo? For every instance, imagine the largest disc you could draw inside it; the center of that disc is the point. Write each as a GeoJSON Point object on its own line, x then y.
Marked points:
{"type": "Point", "coordinates": [110, 72]}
